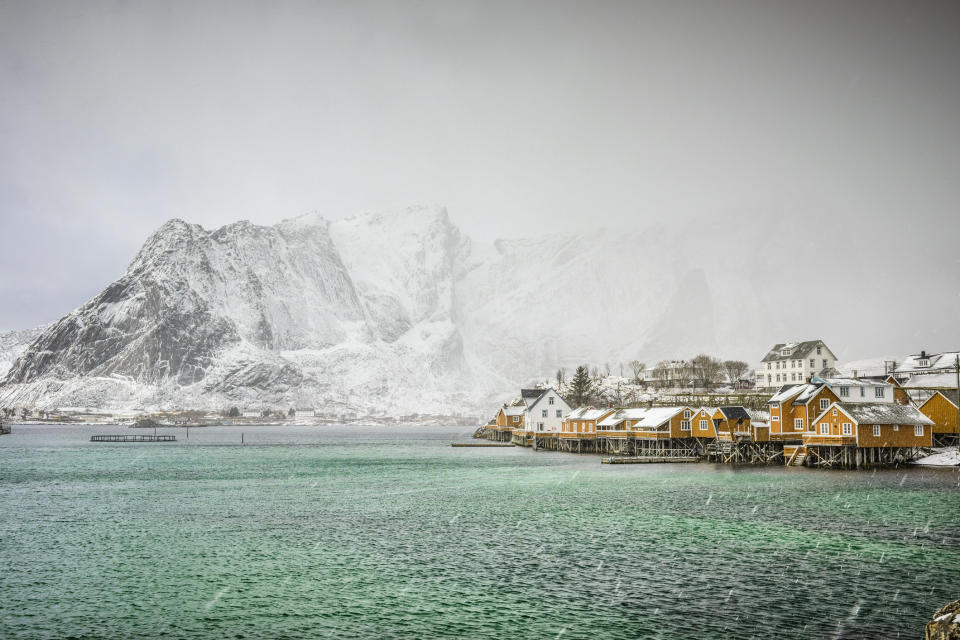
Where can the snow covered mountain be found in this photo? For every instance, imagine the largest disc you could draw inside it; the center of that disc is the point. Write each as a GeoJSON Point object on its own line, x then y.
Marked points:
{"type": "Point", "coordinates": [373, 314]}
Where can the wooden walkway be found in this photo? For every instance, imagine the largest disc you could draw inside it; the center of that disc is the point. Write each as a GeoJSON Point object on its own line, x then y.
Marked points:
{"type": "Point", "coordinates": [133, 438]}
{"type": "Point", "coordinates": [647, 459]}
{"type": "Point", "coordinates": [481, 444]}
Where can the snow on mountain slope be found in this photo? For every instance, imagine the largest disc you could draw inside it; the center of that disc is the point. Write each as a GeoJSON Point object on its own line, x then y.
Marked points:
{"type": "Point", "coordinates": [14, 343]}
{"type": "Point", "coordinates": [380, 313]}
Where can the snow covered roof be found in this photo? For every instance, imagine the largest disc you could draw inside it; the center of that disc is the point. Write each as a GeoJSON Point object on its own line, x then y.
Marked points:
{"type": "Point", "coordinates": [735, 413]}
{"type": "Point", "coordinates": [710, 410]}
{"type": "Point", "coordinates": [516, 410]}
{"type": "Point", "coordinates": [935, 362]}
{"type": "Point", "coordinates": [656, 416]}
{"type": "Point", "coordinates": [786, 392]}
{"type": "Point", "coordinates": [798, 350]}
{"type": "Point", "coordinates": [946, 380]}
{"type": "Point", "coordinates": [882, 413]}
{"type": "Point", "coordinates": [758, 416]}
{"type": "Point", "coordinates": [809, 390]}
{"type": "Point", "coordinates": [617, 417]}
{"type": "Point", "coordinates": [531, 394]}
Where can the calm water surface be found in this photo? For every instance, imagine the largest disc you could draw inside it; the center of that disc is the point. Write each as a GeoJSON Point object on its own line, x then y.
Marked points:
{"type": "Point", "coordinates": [377, 532]}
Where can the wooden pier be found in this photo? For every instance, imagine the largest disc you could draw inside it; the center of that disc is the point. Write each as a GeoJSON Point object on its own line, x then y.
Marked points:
{"type": "Point", "coordinates": [482, 444]}
{"type": "Point", "coordinates": [132, 438]}
{"type": "Point", "coordinates": [647, 459]}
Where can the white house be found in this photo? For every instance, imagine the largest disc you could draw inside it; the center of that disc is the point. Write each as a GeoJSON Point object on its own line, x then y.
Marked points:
{"type": "Point", "coordinates": [795, 362]}
{"type": "Point", "coordinates": [923, 363]}
{"type": "Point", "coordinates": [545, 409]}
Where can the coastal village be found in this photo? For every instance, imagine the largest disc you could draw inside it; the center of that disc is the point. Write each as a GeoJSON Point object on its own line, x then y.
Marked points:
{"type": "Point", "coordinates": [799, 410]}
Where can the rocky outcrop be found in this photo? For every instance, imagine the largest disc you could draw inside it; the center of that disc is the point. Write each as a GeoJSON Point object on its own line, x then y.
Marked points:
{"type": "Point", "coordinates": [945, 624]}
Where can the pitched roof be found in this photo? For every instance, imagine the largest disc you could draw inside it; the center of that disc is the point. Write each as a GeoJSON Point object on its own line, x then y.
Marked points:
{"type": "Point", "coordinates": [619, 416]}
{"type": "Point", "coordinates": [882, 413]}
{"type": "Point", "coordinates": [514, 410]}
{"type": "Point", "coordinates": [657, 416]}
{"type": "Point", "coordinates": [735, 413]}
{"type": "Point", "coordinates": [950, 394]}
{"type": "Point", "coordinates": [786, 392]}
{"type": "Point", "coordinates": [935, 362]}
{"type": "Point", "coordinates": [531, 394]}
{"type": "Point", "coordinates": [798, 350]}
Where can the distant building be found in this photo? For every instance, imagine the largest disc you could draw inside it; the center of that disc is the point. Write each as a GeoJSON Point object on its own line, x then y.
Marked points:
{"type": "Point", "coordinates": [795, 362]}
{"type": "Point", "coordinates": [924, 363]}
{"type": "Point", "coordinates": [941, 409]}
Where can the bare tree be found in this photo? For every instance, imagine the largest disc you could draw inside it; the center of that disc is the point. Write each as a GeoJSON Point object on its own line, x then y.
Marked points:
{"type": "Point", "coordinates": [735, 370]}
{"type": "Point", "coordinates": [561, 376]}
{"type": "Point", "coordinates": [661, 373]}
{"type": "Point", "coordinates": [706, 370]}
{"type": "Point", "coordinates": [637, 368]}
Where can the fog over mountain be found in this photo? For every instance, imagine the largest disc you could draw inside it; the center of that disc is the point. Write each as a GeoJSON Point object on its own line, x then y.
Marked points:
{"type": "Point", "coordinates": [401, 312]}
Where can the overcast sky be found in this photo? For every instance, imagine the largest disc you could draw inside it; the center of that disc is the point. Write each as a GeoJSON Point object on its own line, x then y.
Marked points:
{"type": "Point", "coordinates": [518, 116]}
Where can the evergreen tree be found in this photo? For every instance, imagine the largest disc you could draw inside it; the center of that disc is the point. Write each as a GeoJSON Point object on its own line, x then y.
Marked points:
{"type": "Point", "coordinates": [581, 387]}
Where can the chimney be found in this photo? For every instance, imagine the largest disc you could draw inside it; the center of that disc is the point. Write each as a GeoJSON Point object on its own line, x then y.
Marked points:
{"type": "Point", "coordinates": [923, 354]}
{"type": "Point", "coordinates": [854, 374]}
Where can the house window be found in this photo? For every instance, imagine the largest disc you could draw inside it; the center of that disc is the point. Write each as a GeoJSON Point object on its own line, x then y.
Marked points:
{"type": "Point", "coordinates": [540, 426]}
{"type": "Point", "coordinates": [516, 419]}
{"type": "Point", "coordinates": [550, 399]}
{"type": "Point", "coordinates": [768, 366]}
{"type": "Point", "coordinates": [876, 431]}
{"type": "Point", "coordinates": [834, 412]}
{"type": "Point", "coordinates": [686, 413]}
{"type": "Point", "coordinates": [847, 429]}
{"type": "Point", "coordinates": [923, 363]}
{"type": "Point", "coordinates": [785, 352]}
{"type": "Point", "coordinates": [824, 403]}
{"type": "Point", "coordinates": [824, 364]}
{"type": "Point", "coordinates": [776, 418]}
{"type": "Point", "coordinates": [896, 427]}
{"type": "Point", "coordinates": [798, 424]}
{"type": "Point", "coordinates": [863, 392]}
{"type": "Point", "coordinates": [844, 392]}
{"type": "Point", "coordinates": [778, 377]}
{"type": "Point", "coordinates": [703, 425]}
{"type": "Point", "coordinates": [879, 392]}
{"type": "Point", "coordinates": [918, 430]}
{"type": "Point", "coordinates": [819, 350]}
{"type": "Point", "coordinates": [824, 428]}
{"type": "Point", "coordinates": [812, 363]}
{"type": "Point", "coordinates": [769, 379]}
{"type": "Point", "coordinates": [685, 425]}
{"type": "Point", "coordinates": [559, 413]}
{"type": "Point", "coordinates": [793, 377]}
{"type": "Point", "coordinates": [543, 413]}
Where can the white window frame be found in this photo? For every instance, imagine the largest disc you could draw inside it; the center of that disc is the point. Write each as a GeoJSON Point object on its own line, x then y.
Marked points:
{"type": "Point", "coordinates": [896, 427]}
{"type": "Point", "coordinates": [684, 425]}
{"type": "Point", "coordinates": [847, 429]}
{"type": "Point", "coordinates": [543, 413]}
{"type": "Point", "coordinates": [876, 431]}
{"type": "Point", "coordinates": [704, 425]}
{"type": "Point", "coordinates": [918, 429]}
{"type": "Point", "coordinates": [687, 413]}
{"type": "Point", "coordinates": [516, 419]}
{"type": "Point", "coordinates": [559, 413]}
{"type": "Point", "coordinates": [880, 392]}
{"type": "Point", "coordinates": [844, 392]}
{"type": "Point", "coordinates": [824, 428]}
{"type": "Point", "coordinates": [824, 404]}
{"type": "Point", "coordinates": [550, 400]}
{"type": "Point", "coordinates": [798, 424]}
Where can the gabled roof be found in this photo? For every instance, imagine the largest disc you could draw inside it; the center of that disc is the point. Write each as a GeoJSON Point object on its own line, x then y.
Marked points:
{"type": "Point", "coordinates": [935, 362]}
{"type": "Point", "coordinates": [710, 410]}
{"type": "Point", "coordinates": [798, 350]}
{"type": "Point", "coordinates": [950, 395]}
{"type": "Point", "coordinates": [530, 395]}
{"type": "Point", "coordinates": [807, 393]}
{"type": "Point", "coordinates": [543, 394]}
{"type": "Point", "coordinates": [735, 413]}
{"type": "Point", "coordinates": [880, 413]}
{"type": "Point", "coordinates": [587, 413]}
{"type": "Point", "coordinates": [619, 416]}
{"type": "Point", "coordinates": [657, 416]}
{"type": "Point", "coordinates": [786, 392]}
{"type": "Point", "coordinates": [516, 410]}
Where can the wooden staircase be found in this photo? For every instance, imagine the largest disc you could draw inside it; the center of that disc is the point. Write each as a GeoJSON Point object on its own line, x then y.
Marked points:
{"type": "Point", "coordinates": [797, 457]}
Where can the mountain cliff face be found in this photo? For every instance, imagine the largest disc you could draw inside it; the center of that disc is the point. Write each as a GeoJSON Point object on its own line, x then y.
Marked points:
{"type": "Point", "coordinates": [372, 314]}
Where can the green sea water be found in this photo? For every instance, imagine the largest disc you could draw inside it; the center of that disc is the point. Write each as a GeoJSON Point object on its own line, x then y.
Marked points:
{"type": "Point", "coordinates": [388, 532]}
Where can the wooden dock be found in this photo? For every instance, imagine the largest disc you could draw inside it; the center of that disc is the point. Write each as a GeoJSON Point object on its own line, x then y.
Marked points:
{"type": "Point", "coordinates": [481, 444]}
{"type": "Point", "coordinates": [132, 438]}
{"type": "Point", "coordinates": [647, 459]}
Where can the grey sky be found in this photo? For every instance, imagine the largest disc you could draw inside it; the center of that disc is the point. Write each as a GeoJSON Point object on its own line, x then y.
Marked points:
{"type": "Point", "coordinates": [116, 116]}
